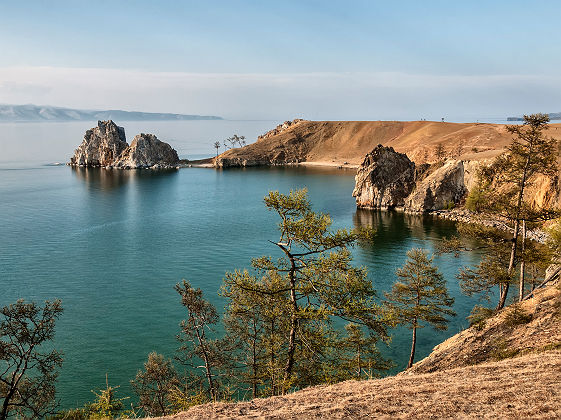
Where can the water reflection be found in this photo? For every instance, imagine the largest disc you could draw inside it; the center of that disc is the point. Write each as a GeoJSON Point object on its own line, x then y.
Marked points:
{"type": "Point", "coordinates": [395, 226]}
{"type": "Point", "coordinates": [109, 179]}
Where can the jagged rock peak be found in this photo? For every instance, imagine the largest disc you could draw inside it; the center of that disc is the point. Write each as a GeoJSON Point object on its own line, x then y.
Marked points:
{"type": "Point", "coordinates": [101, 145]}
{"type": "Point", "coordinates": [385, 179]}
{"type": "Point", "coordinates": [147, 151]}
{"type": "Point", "coordinates": [106, 146]}
{"type": "Point", "coordinates": [388, 179]}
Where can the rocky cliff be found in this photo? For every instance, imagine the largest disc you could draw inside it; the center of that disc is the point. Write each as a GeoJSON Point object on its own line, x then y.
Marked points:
{"type": "Point", "coordinates": [101, 146]}
{"type": "Point", "coordinates": [387, 179]}
{"type": "Point", "coordinates": [146, 151]}
{"type": "Point", "coordinates": [106, 146]}
{"type": "Point", "coordinates": [443, 187]}
{"type": "Point", "coordinates": [384, 180]}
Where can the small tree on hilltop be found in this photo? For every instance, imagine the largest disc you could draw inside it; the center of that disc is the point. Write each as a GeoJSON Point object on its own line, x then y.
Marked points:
{"type": "Point", "coordinates": [420, 295]}
{"type": "Point", "coordinates": [27, 374]}
{"type": "Point", "coordinates": [234, 141]}
{"type": "Point", "coordinates": [217, 146]}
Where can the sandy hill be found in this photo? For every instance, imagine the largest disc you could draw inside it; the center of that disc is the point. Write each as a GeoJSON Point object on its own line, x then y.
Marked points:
{"type": "Point", "coordinates": [508, 368]}
{"type": "Point", "coordinates": [336, 142]}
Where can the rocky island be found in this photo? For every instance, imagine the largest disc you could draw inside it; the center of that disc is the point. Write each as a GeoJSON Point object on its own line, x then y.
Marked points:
{"type": "Point", "coordinates": [106, 146]}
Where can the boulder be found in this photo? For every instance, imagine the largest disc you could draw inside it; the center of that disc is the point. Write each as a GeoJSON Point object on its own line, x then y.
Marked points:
{"type": "Point", "coordinates": [101, 145]}
{"type": "Point", "coordinates": [384, 180]}
{"type": "Point", "coordinates": [146, 151]}
{"type": "Point", "coordinates": [442, 188]}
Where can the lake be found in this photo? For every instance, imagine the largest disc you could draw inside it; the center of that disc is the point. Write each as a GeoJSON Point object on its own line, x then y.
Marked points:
{"type": "Point", "coordinates": [112, 244]}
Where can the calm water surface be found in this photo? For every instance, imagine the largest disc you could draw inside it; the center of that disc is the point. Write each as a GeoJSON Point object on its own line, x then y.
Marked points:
{"type": "Point", "coordinates": [112, 244]}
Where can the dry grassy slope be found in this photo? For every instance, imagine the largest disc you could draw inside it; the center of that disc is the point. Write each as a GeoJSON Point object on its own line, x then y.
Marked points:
{"type": "Point", "coordinates": [526, 387]}
{"type": "Point", "coordinates": [335, 142]}
{"type": "Point", "coordinates": [537, 327]}
{"type": "Point", "coordinates": [464, 378]}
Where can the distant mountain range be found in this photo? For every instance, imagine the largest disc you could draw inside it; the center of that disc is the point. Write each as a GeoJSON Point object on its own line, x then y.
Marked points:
{"type": "Point", "coordinates": [552, 116]}
{"type": "Point", "coordinates": [10, 113]}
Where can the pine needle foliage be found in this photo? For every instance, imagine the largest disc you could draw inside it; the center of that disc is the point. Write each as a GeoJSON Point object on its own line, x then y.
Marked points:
{"type": "Point", "coordinates": [420, 296]}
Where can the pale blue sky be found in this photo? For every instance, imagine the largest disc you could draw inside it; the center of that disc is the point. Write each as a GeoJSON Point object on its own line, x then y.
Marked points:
{"type": "Point", "coordinates": [279, 59]}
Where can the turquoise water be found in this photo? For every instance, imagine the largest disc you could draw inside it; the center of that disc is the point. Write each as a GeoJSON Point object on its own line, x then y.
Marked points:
{"type": "Point", "coordinates": [112, 244]}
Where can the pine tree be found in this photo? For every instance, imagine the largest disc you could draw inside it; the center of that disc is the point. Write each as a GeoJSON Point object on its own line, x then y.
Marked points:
{"type": "Point", "coordinates": [29, 368]}
{"type": "Point", "coordinates": [154, 385]}
{"type": "Point", "coordinates": [311, 283]}
{"type": "Point", "coordinates": [196, 345]}
{"type": "Point", "coordinates": [420, 296]}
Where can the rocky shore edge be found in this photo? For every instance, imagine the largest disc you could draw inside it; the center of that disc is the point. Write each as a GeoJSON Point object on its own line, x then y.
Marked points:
{"type": "Point", "coordinates": [463, 215]}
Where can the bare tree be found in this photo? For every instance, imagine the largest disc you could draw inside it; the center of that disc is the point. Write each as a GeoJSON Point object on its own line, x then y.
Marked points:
{"type": "Point", "coordinates": [235, 141]}
{"type": "Point", "coordinates": [217, 146]}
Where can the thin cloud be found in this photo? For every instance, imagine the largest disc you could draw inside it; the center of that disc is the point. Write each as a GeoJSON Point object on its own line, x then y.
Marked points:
{"type": "Point", "coordinates": [381, 95]}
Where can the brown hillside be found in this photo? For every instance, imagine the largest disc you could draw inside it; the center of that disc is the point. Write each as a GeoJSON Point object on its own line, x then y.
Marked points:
{"type": "Point", "coordinates": [531, 326]}
{"type": "Point", "coordinates": [336, 142]}
{"type": "Point", "coordinates": [508, 369]}
{"type": "Point", "coordinates": [526, 387]}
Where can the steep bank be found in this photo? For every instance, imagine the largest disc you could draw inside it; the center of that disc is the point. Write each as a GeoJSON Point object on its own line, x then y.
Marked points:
{"type": "Point", "coordinates": [347, 142]}
{"type": "Point", "coordinates": [508, 368]}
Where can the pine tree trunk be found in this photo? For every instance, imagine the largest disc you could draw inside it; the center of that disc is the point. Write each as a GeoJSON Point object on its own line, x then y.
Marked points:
{"type": "Point", "coordinates": [413, 344]}
{"type": "Point", "coordinates": [202, 345]}
{"type": "Point", "coordinates": [522, 263]}
{"type": "Point", "coordinates": [293, 321]}
{"type": "Point", "coordinates": [511, 264]}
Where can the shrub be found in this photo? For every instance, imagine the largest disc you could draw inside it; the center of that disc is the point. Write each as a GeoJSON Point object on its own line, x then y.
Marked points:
{"type": "Point", "coordinates": [479, 315]}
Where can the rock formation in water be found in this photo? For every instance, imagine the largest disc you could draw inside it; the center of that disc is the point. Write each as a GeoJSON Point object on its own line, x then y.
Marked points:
{"type": "Point", "coordinates": [147, 151]}
{"type": "Point", "coordinates": [106, 146]}
{"type": "Point", "coordinates": [101, 146]}
{"type": "Point", "coordinates": [388, 179]}
{"type": "Point", "coordinates": [443, 188]}
{"type": "Point", "coordinates": [385, 179]}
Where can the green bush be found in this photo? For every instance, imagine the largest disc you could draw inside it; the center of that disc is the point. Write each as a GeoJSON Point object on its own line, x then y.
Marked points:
{"type": "Point", "coordinates": [479, 315]}
{"type": "Point", "coordinates": [516, 316]}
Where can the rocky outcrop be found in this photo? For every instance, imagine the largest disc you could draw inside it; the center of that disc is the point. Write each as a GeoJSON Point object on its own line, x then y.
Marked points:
{"type": "Point", "coordinates": [238, 163]}
{"type": "Point", "coordinates": [442, 188]}
{"type": "Point", "coordinates": [146, 151]}
{"type": "Point", "coordinates": [101, 146]}
{"type": "Point", "coordinates": [385, 179]}
{"type": "Point", "coordinates": [388, 179]}
{"type": "Point", "coordinates": [106, 146]}
{"type": "Point", "coordinates": [279, 129]}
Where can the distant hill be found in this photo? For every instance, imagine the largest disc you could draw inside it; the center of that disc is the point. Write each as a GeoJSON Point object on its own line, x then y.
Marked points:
{"type": "Point", "coordinates": [552, 116]}
{"type": "Point", "coordinates": [345, 143]}
{"type": "Point", "coordinates": [10, 113]}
